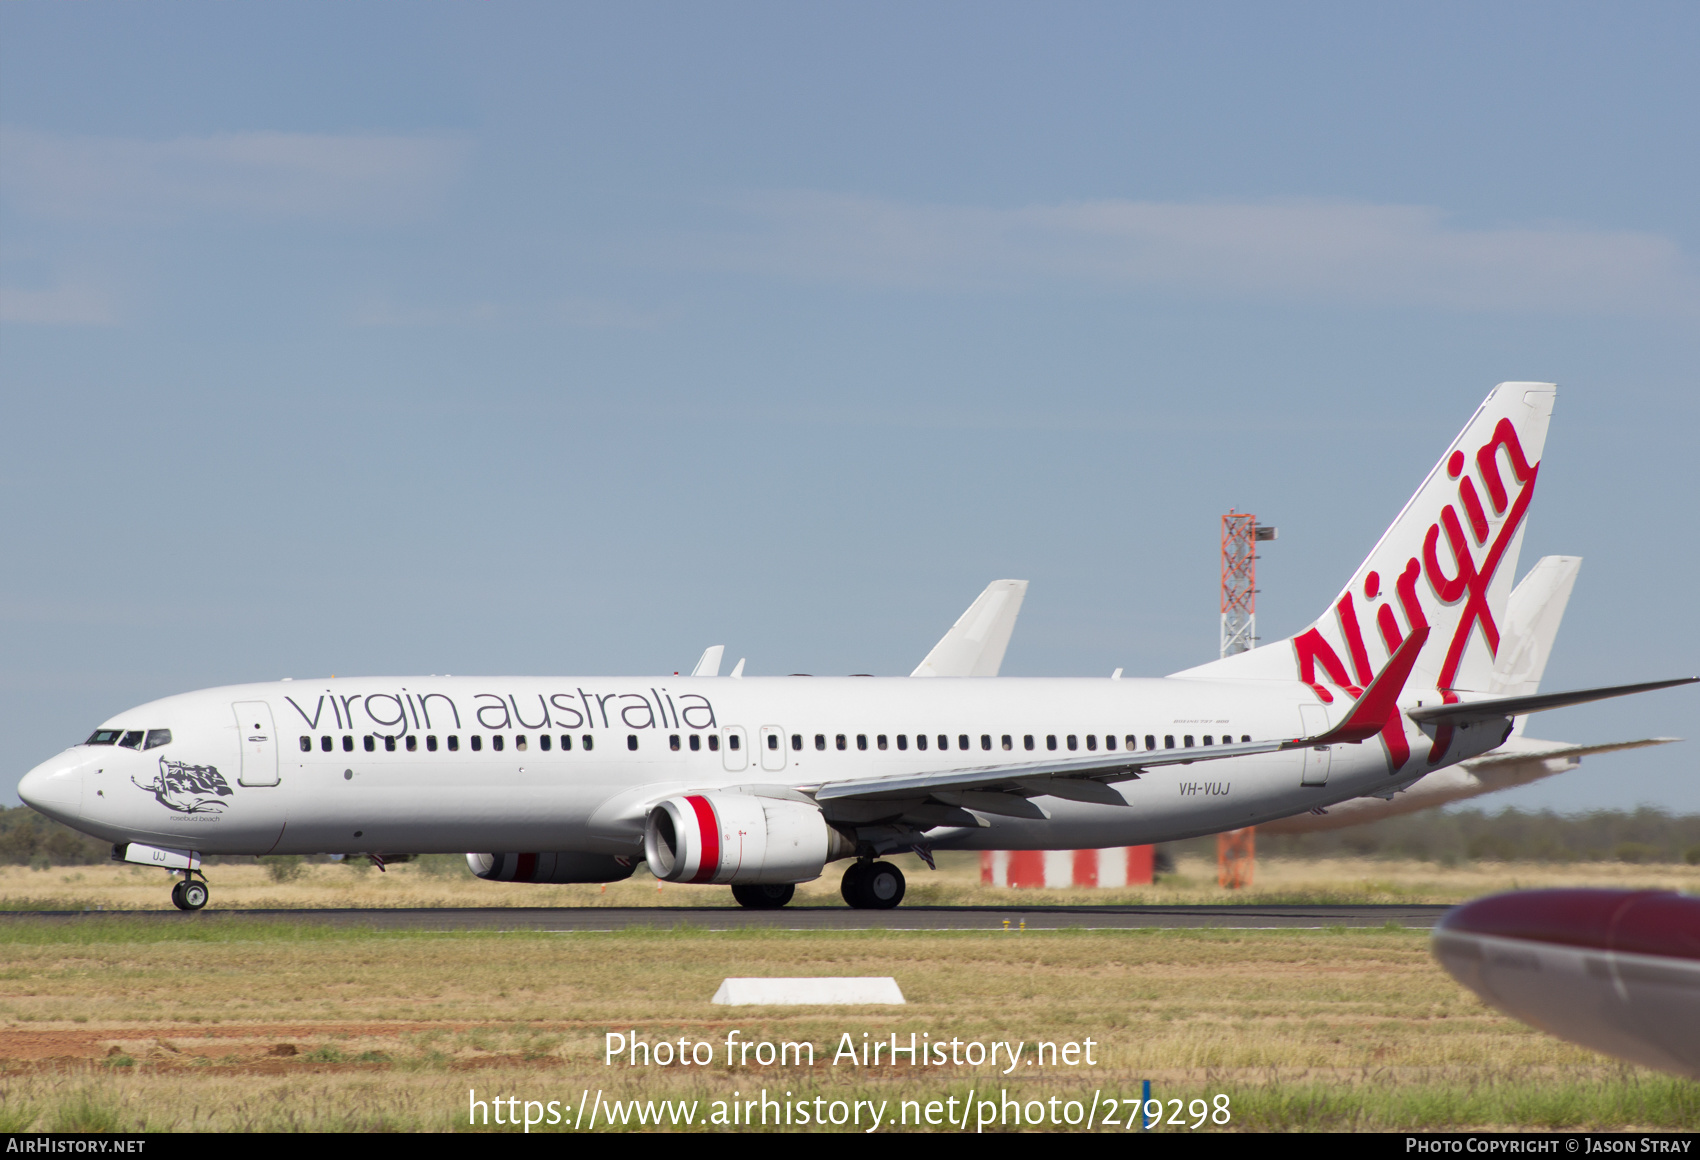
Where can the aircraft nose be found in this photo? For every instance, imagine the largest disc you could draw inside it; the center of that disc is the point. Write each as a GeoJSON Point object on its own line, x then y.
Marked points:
{"type": "Point", "coordinates": [54, 787]}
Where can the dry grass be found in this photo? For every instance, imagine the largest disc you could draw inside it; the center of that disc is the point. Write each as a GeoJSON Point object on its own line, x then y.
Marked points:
{"type": "Point", "coordinates": [956, 882]}
{"type": "Point", "coordinates": [117, 1024]}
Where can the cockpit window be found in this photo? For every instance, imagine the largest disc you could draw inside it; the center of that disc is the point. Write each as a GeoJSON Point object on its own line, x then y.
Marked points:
{"type": "Point", "coordinates": [104, 737]}
{"type": "Point", "coordinates": [157, 737]}
{"type": "Point", "coordinates": [132, 739]}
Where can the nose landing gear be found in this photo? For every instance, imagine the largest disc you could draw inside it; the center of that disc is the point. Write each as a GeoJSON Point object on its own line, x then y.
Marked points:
{"type": "Point", "coordinates": [190, 894]}
{"type": "Point", "coordinates": [872, 886]}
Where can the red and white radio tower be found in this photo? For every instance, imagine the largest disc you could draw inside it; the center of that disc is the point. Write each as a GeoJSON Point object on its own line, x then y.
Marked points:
{"type": "Point", "coordinates": [1236, 850]}
{"type": "Point", "coordinates": [1240, 536]}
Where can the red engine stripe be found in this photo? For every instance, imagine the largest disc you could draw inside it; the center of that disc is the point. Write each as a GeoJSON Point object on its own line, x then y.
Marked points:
{"type": "Point", "coordinates": [526, 868]}
{"type": "Point", "coordinates": [709, 827]}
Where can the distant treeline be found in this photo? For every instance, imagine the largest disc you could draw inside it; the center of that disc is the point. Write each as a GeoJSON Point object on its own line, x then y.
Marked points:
{"type": "Point", "coordinates": [1510, 835]}
{"type": "Point", "coordinates": [1644, 835]}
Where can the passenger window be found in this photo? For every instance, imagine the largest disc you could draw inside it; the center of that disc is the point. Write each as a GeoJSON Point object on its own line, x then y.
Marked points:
{"type": "Point", "coordinates": [1132, 742]}
{"type": "Point", "coordinates": [841, 742]}
{"type": "Point", "coordinates": [389, 743]}
{"type": "Point", "coordinates": [543, 742]}
{"type": "Point", "coordinates": [413, 743]}
{"type": "Point", "coordinates": [477, 743]}
{"type": "Point", "coordinates": [944, 741]}
{"type": "Point", "coordinates": [985, 741]}
{"type": "Point", "coordinates": [902, 741]}
{"type": "Point", "coordinates": [306, 743]}
{"type": "Point", "coordinates": [454, 743]}
{"type": "Point", "coordinates": [1027, 741]}
{"type": "Point", "coordinates": [820, 741]}
{"type": "Point", "coordinates": [103, 737]}
{"type": "Point", "coordinates": [772, 741]}
{"type": "Point", "coordinates": [347, 743]}
{"type": "Point", "coordinates": [1168, 741]}
{"type": "Point", "coordinates": [1050, 741]}
{"type": "Point", "coordinates": [1246, 737]}
{"type": "Point", "coordinates": [1092, 741]}
{"type": "Point", "coordinates": [369, 743]}
{"type": "Point", "coordinates": [156, 738]}
{"type": "Point", "coordinates": [1073, 741]}
{"type": "Point", "coordinates": [961, 741]}
{"type": "Point", "coordinates": [880, 741]}
{"type": "Point", "coordinates": [519, 742]}
{"type": "Point", "coordinates": [566, 742]}
{"type": "Point", "coordinates": [713, 742]}
{"type": "Point", "coordinates": [497, 741]}
{"type": "Point", "coordinates": [1109, 741]}
{"type": "Point", "coordinates": [673, 742]}
{"type": "Point", "coordinates": [920, 741]}
{"type": "Point", "coordinates": [796, 741]}
{"type": "Point", "coordinates": [696, 743]}
{"type": "Point", "coordinates": [588, 742]}
{"type": "Point", "coordinates": [325, 743]}
{"type": "Point", "coordinates": [734, 742]}
{"type": "Point", "coordinates": [631, 742]}
{"type": "Point", "coordinates": [431, 742]}
{"type": "Point", "coordinates": [861, 741]}
{"type": "Point", "coordinates": [1209, 740]}
{"type": "Point", "coordinates": [1189, 741]}
{"type": "Point", "coordinates": [1007, 742]}
{"type": "Point", "coordinates": [1151, 741]}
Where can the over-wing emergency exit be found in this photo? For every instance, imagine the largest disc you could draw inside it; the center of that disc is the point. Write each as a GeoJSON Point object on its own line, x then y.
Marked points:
{"type": "Point", "coordinates": [760, 783]}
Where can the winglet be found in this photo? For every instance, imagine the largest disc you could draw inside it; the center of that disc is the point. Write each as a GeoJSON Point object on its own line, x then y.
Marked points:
{"type": "Point", "coordinates": [1369, 713]}
{"type": "Point", "coordinates": [709, 665]}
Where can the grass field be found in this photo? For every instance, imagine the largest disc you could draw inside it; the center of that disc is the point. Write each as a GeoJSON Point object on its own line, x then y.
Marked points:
{"type": "Point", "coordinates": [239, 1024]}
{"type": "Point", "coordinates": [442, 882]}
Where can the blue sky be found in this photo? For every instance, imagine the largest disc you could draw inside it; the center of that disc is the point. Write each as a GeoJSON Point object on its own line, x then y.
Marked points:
{"type": "Point", "coordinates": [535, 338]}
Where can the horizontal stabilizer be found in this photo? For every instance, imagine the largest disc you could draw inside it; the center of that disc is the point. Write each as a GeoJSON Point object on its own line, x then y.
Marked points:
{"type": "Point", "coordinates": [1556, 750]}
{"type": "Point", "coordinates": [1466, 712]}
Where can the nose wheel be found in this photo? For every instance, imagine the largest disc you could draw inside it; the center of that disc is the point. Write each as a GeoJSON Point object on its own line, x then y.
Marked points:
{"type": "Point", "coordinates": [872, 886]}
{"type": "Point", "coordinates": [189, 894]}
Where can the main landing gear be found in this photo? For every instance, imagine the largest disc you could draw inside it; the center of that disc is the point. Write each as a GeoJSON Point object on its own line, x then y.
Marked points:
{"type": "Point", "coordinates": [189, 894]}
{"type": "Point", "coordinates": [872, 885]}
{"type": "Point", "coordinates": [764, 896]}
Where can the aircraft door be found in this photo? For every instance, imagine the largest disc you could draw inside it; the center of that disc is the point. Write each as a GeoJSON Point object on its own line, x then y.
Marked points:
{"type": "Point", "coordinates": [1314, 719]}
{"type": "Point", "coordinates": [259, 743]}
{"type": "Point", "coordinates": [772, 748]}
{"type": "Point", "coordinates": [733, 750]}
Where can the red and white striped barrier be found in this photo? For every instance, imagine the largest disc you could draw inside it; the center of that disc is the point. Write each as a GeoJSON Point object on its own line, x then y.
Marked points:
{"type": "Point", "coordinates": [1058, 869]}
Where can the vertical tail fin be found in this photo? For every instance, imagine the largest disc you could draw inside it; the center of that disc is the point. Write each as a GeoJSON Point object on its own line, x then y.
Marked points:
{"type": "Point", "coordinates": [1446, 562]}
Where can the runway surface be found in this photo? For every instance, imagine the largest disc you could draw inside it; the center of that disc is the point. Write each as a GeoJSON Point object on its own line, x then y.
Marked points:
{"type": "Point", "coordinates": [588, 919]}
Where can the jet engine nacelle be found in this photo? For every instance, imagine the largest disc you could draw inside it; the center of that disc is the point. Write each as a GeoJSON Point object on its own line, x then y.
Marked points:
{"type": "Point", "coordinates": [558, 868]}
{"type": "Point", "coordinates": [1614, 970]}
{"type": "Point", "coordinates": [739, 838]}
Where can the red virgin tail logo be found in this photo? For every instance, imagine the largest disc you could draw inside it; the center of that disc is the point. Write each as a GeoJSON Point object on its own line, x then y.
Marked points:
{"type": "Point", "coordinates": [1462, 577]}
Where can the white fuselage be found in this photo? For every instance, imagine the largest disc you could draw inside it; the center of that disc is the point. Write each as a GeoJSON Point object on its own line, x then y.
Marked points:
{"type": "Point", "coordinates": [440, 764]}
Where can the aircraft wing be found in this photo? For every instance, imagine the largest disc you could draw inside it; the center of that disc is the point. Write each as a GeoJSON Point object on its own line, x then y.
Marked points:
{"type": "Point", "coordinates": [975, 644]}
{"type": "Point", "coordinates": [1004, 788]}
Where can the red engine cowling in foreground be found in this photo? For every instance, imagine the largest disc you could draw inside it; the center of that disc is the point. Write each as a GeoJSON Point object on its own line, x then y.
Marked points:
{"type": "Point", "coordinates": [558, 868]}
{"type": "Point", "coordinates": [1614, 970]}
{"type": "Point", "coordinates": [739, 838]}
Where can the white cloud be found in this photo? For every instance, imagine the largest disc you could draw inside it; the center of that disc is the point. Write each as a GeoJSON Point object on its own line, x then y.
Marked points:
{"type": "Point", "coordinates": [1301, 250]}
{"type": "Point", "coordinates": [266, 175]}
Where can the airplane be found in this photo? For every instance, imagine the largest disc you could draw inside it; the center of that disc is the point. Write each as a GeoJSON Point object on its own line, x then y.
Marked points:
{"type": "Point", "coordinates": [1614, 970]}
{"type": "Point", "coordinates": [759, 783]}
{"type": "Point", "coordinates": [1526, 636]}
